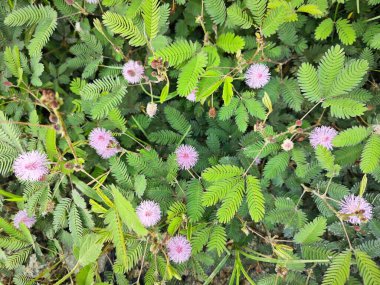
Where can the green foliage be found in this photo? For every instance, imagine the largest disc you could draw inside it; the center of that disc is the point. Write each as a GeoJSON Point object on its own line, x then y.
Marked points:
{"type": "Point", "coordinates": [177, 52]}
{"type": "Point", "coordinates": [217, 10]}
{"type": "Point", "coordinates": [246, 198]}
{"type": "Point", "coordinates": [312, 231]}
{"type": "Point", "coordinates": [125, 27]}
{"type": "Point", "coordinates": [190, 73]}
{"type": "Point", "coordinates": [230, 43]}
{"type": "Point", "coordinates": [367, 268]}
{"type": "Point", "coordinates": [371, 154]}
{"type": "Point", "coordinates": [352, 136]}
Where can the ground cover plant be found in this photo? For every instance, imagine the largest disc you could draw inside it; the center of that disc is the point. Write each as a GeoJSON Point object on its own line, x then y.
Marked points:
{"type": "Point", "coordinates": [189, 142]}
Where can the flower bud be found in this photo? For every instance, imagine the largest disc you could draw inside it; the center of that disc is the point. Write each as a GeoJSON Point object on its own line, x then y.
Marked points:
{"type": "Point", "coordinates": [151, 109]}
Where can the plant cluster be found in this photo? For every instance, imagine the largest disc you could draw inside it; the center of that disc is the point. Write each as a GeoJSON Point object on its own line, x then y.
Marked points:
{"type": "Point", "coordinates": [189, 142]}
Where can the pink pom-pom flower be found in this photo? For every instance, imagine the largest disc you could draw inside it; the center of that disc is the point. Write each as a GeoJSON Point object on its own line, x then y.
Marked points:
{"type": "Point", "coordinates": [192, 97]}
{"type": "Point", "coordinates": [257, 76]}
{"type": "Point", "coordinates": [133, 71]}
{"type": "Point", "coordinates": [31, 166]}
{"type": "Point", "coordinates": [179, 249]}
{"type": "Point", "coordinates": [149, 213]}
{"type": "Point", "coordinates": [22, 217]}
{"type": "Point", "coordinates": [103, 142]}
{"type": "Point", "coordinates": [187, 156]}
{"type": "Point", "coordinates": [356, 209]}
{"type": "Point", "coordinates": [323, 136]}
{"type": "Point", "coordinates": [287, 145]}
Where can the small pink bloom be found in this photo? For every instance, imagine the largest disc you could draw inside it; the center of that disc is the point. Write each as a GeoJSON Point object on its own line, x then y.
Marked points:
{"type": "Point", "coordinates": [287, 145]}
{"type": "Point", "coordinates": [151, 109]}
{"type": "Point", "coordinates": [103, 142]}
{"type": "Point", "coordinates": [179, 249]}
{"type": "Point", "coordinates": [31, 166]}
{"type": "Point", "coordinates": [22, 217]}
{"type": "Point", "coordinates": [133, 71]}
{"type": "Point", "coordinates": [257, 76]}
{"type": "Point", "coordinates": [323, 136]}
{"type": "Point", "coordinates": [149, 213]}
{"type": "Point", "coordinates": [187, 156]}
{"type": "Point", "coordinates": [192, 97]}
{"type": "Point", "coordinates": [356, 209]}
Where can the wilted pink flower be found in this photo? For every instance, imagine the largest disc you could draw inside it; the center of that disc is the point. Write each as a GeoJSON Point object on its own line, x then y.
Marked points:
{"type": "Point", "coordinates": [192, 97]}
{"type": "Point", "coordinates": [149, 213]}
{"type": "Point", "coordinates": [356, 209]}
{"type": "Point", "coordinates": [151, 109]}
{"type": "Point", "coordinates": [187, 156]}
{"type": "Point", "coordinates": [31, 166]}
{"type": "Point", "coordinates": [257, 161]}
{"type": "Point", "coordinates": [133, 71]}
{"type": "Point", "coordinates": [179, 249]}
{"type": "Point", "coordinates": [322, 136]}
{"type": "Point", "coordinates": [22, 217]}
{"type": "Point", "coordinates": [287, 145]}
{"type": "Point", "coordinates": [103, 142]}
{"type": "Point", "coordinates": [257, 75]}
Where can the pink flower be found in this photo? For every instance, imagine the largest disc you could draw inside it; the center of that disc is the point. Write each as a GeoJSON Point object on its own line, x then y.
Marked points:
{"type": "Point", "coordinates": [22, 217]}
{"type": "Point", "coordinates": [287, 145]}
{"type": "Point", "coordinates": [187, 156]}
{"type": "Point", "coordinates": [323, 136]}
{"type": "Point", "coordinates": [257, 75]}
{"type": "Point", "coordinates": [103, 142]}
{"type": "Point", "coordinates": [149, 213]}
{"type": "Point", "coordinates": [179, 249]}
{"type": "Point", "coordinates": [31, 166]}
{"type": "Point", "coordinates": [355, 209]}
{"type": "Point", "coordinates": [151, 109]}
{"type": "Point", "coordinates": [192, 97]}
{"type": "Point", "coordinates": [133, 71]}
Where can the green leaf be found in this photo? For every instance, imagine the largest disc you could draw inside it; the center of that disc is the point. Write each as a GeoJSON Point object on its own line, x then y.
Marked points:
{"type": "Point", "coordinates": [324, 29]}
{"type": "Point", "coordinates": [255, 199]}
{"type": "Point", "coordinates": [326, 161]}
{"type": "Point", "coordinates": [125, 27]}
{"type": "Point", "coordinates": [51, 146]}
{"type": "Point", "coordinates": [90, 249]}
{"type": "Point", "coordinates": [190, 73]}
{"type": "Point", "coordinates": [127, 213]}
{"type": "Point", "coordinates": [329, 67]}
{"type": "Point", "coordinates": [273, 21]}
{"type": "Point", "coordinates": [257, 9]}
{"type": "Point", "coordinates": [228, 92]}
{"type": "Point", "coordinates": [220, 172]}
{"type": "Point", "coordinates": [352, 136]}
{"type": "Point", "coordinates": [339, 270]}
{"type": "Point", "coordinates": [344, 108]}
{"type": "Point", "coordinates": [217, 10]}
{"type": "Point", "coordinates": [368, 268]}
{"type": "Point", "coordinates": [151, 16]}
{"type": "Point", "coordinates": [348, 78]}
{"type": "Point", "coordinates": [230, 43]}
{"type": "Point", "coordinates": [140, 185]}
{"type": "Point", "coordinates": [277, 165]}
{"type": "Point", "coordinates": [371, 154]}
{"type": "Point", "coordinates": [346, 32]}
{"type": "Point", "coordinates": [309, 84]}
{"type": "Point", "coordinates": [312, 231]}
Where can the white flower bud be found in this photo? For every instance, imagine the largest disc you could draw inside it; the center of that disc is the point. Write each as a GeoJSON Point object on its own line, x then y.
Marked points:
{"type": "Point", "coordinates": [287, 145]}
{"type": "Point", "coordinates": [151, 109]}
